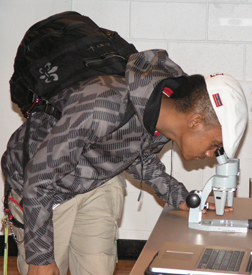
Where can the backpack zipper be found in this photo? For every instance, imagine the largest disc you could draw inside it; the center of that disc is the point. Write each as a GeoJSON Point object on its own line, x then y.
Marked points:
{"type": "Point", "coordinates": [91, 62]}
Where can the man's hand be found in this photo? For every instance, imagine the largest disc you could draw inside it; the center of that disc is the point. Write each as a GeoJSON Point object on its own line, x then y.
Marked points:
{"type": "Point", "coordinates": [50, 269]}
{"type": "Point", "coordinates": [211, 206]}
{"type": "Point", "coordinates": [183, 206]}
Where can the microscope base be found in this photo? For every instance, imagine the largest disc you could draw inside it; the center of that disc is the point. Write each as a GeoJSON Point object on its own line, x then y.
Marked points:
{"type": "Point", "coordinates": [221, 225]}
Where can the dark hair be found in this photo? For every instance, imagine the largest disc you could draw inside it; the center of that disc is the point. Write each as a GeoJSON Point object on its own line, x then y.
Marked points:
{"type": "Point", "coordinates": [192, 95]}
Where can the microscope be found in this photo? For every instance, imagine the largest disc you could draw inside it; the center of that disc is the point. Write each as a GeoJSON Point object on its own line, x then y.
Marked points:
{"type": "Point", "coordinates": [223, 184]}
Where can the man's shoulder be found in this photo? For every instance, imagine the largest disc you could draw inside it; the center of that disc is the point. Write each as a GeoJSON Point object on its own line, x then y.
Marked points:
{"type": "Point", "coordinates": [105, 86]}
{"type": "Point", "coordinates": [103, 90]}
{"type": "Point", "coordinates": [115, 82]}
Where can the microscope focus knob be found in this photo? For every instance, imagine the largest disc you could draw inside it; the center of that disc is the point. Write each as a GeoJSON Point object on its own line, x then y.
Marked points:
{"type": "Point", "coordinates": [193, 200]}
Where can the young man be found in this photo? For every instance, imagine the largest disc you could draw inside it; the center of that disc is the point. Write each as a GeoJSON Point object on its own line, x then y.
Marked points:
{"type": "Point", "coordinates": [76, 162]}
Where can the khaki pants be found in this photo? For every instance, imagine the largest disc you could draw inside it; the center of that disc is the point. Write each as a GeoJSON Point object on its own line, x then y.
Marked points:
{"type": "Point", "coordinates": [85, 231]}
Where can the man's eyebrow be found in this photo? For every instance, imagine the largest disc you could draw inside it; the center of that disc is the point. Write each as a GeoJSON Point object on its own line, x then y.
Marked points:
{"type": "Point", "coordinates": [218, 143]}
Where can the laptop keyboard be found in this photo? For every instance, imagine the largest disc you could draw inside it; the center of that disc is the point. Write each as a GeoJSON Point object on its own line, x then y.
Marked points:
{"type": "Point", "coordinates": [223, 260]}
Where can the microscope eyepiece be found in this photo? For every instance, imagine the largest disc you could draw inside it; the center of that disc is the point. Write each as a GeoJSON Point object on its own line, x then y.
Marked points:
{"type": "Point", "coordinates": [219, 152]}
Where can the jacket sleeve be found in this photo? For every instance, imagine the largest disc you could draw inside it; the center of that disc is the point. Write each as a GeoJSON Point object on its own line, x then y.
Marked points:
{"type": "Point", "coordinates": [85, 119]}
{"type": "Point", "coordinates": [12, 161]}
{"type": "Point", "coordinates": [152, 171]}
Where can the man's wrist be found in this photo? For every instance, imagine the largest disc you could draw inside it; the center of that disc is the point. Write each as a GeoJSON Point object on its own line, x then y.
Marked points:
{"type": "Point", "coordinates": [183, 206]}
{"type": "Point", "coordinates": [50, 269]}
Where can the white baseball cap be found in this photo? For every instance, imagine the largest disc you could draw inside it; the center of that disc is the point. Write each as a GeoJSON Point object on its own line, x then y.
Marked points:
{"type": "Point", "coordinates": [230, 106]}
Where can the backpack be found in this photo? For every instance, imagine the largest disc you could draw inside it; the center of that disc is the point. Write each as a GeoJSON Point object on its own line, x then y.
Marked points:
{"type": "Point", "coordinates": [59, 51]}
{"type": "Point", "coordinates": [54, 54]}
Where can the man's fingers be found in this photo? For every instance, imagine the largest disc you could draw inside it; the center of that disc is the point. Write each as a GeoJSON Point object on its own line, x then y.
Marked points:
{"type": "Point", "coordinates": [211, 206]}
{"type": "Point", "coordinates": [229, 209]}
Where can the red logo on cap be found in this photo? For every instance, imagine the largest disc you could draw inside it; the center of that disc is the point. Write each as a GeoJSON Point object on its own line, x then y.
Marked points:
{"type": "Point", "coordinates": [217, 100]}
{"type": "Point", "coordinates": [167, 91]}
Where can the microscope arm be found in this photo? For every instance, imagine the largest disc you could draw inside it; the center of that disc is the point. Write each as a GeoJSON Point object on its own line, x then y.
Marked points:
{"type": "Point", "coordinates": [206, 191]}
{"type": "Point", "coordinates": [195, 212]}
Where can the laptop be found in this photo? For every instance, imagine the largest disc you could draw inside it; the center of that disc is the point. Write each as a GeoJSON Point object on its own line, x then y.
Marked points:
{"type": "Point", "coordinates": [184, 259]}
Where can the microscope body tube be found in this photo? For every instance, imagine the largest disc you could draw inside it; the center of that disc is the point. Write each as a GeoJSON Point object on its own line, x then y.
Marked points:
{"type": "Point", "coordinates": [224, 184]}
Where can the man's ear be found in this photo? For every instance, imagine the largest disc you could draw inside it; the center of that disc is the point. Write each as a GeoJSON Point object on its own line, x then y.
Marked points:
{"type": "Point", "coordinates": [195, 121]}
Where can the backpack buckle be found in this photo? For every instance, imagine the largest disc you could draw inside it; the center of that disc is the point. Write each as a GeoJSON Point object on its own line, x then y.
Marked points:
{"type": "Point", "coordinates": [49, 109]}
{"type": "Point", "coordinates": [27, 113]}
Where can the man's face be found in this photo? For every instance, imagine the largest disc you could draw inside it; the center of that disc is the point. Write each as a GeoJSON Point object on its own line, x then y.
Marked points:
{"type": "Point", "coordinates": [198, 143]}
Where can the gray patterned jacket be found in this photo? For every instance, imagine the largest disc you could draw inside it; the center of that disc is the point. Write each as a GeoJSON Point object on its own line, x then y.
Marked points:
{"type": "Point", "coordinates": [81, 151]}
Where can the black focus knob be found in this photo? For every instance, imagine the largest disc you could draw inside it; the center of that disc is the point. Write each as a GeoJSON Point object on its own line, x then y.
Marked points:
{"type": "Point", "coordinates": [193, 200]}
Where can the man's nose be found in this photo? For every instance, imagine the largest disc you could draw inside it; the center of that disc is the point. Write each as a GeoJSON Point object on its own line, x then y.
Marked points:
{"type": "Point", "coordinates": [210, 153]}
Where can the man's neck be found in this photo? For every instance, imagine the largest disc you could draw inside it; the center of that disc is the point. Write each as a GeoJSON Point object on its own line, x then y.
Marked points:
{"type": "Point", "coordinates": [171, 123]}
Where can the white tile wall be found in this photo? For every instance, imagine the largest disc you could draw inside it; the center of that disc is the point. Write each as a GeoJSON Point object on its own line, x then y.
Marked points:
{"type": "Point", "coordinates": [247, 88]}
{"type": "Point", "coordinates": [202, 36]}
{"type": "Point", "coordinates": [160, 20]}
{"type": "Point", "coordinates": [230, 22]}
{"type": "Point", "coordinates": [248, 63]}
{"type": "Point", "coordinates": [108, 14]}
{"type": "Point", "coordinates": [244, 150]}
{"type": "Point", "coordinates": [148, 44]}
{"type": "Point", "coordinates": [207, 57]}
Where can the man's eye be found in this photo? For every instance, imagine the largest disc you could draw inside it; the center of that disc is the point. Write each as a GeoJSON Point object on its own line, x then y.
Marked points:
{"type": "Point", "coordinates": [214, 146]}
